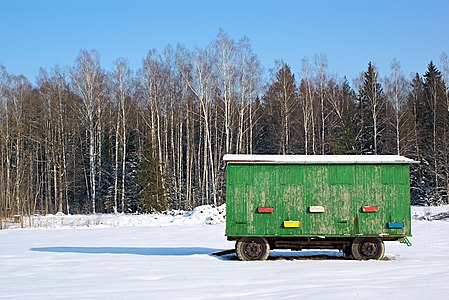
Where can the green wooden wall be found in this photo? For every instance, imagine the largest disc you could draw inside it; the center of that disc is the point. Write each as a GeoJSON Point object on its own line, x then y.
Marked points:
{"type": "Point", "coordinates": [342, 190]}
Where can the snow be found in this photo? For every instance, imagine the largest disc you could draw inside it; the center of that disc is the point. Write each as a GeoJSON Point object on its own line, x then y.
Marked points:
{"type": "Point", "coordinates": [318, 159]}
{"type": "Point", "coordinates": [126, 259]}
{"type": "Point", "coordinates": [206, 214]}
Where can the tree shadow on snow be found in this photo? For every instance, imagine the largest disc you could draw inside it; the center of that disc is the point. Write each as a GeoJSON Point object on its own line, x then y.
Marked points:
{"type": "Point", "coordinates": [162, 251]}
{"type": "Point", "coordinates": [226, 255]}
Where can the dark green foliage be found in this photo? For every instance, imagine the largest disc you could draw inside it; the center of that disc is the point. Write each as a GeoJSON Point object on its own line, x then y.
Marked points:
{"type": "Point", "coordinates": [342, 133]}
{"type": "Point", "coordinates": [152, 196]}
{"type": "Point", "coordinates": [435, 128]}
{"type": "Point", "coordinates": [428, 102]}
{"type": "Point", "coordinates": [105, 177]}
{"type": "Point", "coordinates": [279, 132]}
{"type": "Point", "coordinates": [132, 168]}
{"type": "Point", "coordinates": [418, 173]}
{"type": "Point", "coordinates": [371, 113]}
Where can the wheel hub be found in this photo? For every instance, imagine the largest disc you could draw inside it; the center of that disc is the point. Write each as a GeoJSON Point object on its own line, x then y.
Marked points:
{"type": "Point", "coordinates": [253, 249]}
{"type": "Point", "coordinates": [369, 249]}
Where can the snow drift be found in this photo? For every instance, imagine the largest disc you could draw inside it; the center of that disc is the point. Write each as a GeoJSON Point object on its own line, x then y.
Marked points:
{"type": "Point", "coordinates": [206, 214]}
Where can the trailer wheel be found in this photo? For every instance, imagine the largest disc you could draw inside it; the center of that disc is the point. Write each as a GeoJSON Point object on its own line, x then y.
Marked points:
{"type": "Point", "coordinates": [252, 248]}
{"type": "Point", "coordinates": [368, 248]}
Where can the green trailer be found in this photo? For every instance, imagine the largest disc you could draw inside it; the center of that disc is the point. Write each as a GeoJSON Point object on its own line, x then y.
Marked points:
{"type": "Point", "coordinates": [348, 202]}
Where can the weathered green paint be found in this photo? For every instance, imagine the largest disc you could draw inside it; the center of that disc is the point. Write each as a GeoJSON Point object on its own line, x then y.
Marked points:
{"type": "Point", "coordinates": [341, 188]}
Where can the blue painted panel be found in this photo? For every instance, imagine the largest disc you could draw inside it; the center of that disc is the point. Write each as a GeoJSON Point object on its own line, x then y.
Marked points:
{"type": "Point", "coordinates": [395, 225]}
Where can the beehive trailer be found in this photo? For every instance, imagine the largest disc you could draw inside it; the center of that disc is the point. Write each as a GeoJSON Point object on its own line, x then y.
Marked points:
{"type": "Point", "coordinates": [346, 202]}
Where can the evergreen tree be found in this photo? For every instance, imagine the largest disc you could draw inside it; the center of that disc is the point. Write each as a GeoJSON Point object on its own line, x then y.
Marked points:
{"type": "Point", "coordinates": [435, 128]}
{"type": "Point", "coordinates": [279, 132]}
{"type": "Point", "coordinates": [416, 105]}
{"type": "Point", "coordinates": [104, 188]}
{"type": "Point", "coordinates": [152, 196]}
{"type": "Point", "coordinates": [132, 185]}
{"type": "Point", "coordinates": [342, 133]}
{"type": "Point", "coordinates": [371, 113]}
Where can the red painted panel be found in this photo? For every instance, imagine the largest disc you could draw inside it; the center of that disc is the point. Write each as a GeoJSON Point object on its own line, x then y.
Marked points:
{"type": "Point", "coordinates": [265, 209]}
{"type": "Point", "coordinates": [370, 208]}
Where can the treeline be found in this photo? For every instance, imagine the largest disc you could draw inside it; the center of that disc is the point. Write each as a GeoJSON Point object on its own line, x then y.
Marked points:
{"type": "Point", "coordinates": [85, 140]}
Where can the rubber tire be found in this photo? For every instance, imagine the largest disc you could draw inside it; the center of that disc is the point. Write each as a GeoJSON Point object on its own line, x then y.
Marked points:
{"type": "Point", "coordinates": [364, 248]}
{"type": "Point", "coordinates": [252, 248]}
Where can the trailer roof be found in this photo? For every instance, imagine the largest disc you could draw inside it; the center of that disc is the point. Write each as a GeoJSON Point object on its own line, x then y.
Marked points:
{"type": "Point", "coordinates": [318, 159]}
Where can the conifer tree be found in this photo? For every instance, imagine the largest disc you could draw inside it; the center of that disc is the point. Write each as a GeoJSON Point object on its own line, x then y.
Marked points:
{"type": "Point", "coordinates": [342, 132]}
{"type": "Point", "coordinates": [415, 105]}
{"type": "Point", "coordinates": [107, 167]}
{"type": "Point", "coordinates": [436, 129]}
{"type": "Point", "coordinates": [132, 187]}
{"type": "Point", "coordinates": [281, 106]}
{"type": "Point", "coordinates": [371, 113]}
{"type": "Point", "coordinates": [152, 196]}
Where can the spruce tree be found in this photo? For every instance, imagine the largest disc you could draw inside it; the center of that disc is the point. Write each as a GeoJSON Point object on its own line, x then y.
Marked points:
{"type": "Point", "coordinates": [279, 131]}
{"type": "Point", "coordinates": [152, 196]}
{"type": "Point", "coordinates": [416, 106]}
{"type": "Point", "coordinates": [104, 187]}
{"type": "Point", "coordinates": [342, 134]}
{"type": "Point", "coordinates": [371, 113]}
{"type": "Point", "coordinates": [132, 186]}
{"type": "Point", "coordinates": [435, 127]}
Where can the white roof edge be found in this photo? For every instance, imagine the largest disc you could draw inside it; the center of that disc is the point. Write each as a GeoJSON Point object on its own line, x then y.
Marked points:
{"type": "Point", "coordinates": [316, 159]}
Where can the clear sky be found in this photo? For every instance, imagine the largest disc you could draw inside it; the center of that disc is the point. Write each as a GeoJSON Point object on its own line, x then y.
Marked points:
{"type": "Point", "coordinates": [45, 33]}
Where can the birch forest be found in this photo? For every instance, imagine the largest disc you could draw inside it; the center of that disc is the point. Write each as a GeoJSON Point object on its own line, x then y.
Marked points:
{"type": "Point", "coordinates": [82, 139]}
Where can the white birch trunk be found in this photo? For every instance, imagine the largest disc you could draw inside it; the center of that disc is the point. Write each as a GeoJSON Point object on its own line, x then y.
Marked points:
{"type": "Point", "coordinates": [117, 145]}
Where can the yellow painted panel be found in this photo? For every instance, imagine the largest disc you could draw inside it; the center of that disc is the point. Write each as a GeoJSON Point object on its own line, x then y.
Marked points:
{"type": "Point", "coordinates": [292, 224]}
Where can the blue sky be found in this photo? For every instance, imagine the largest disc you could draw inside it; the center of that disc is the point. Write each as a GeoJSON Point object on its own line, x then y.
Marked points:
{"type": "Point", "coordinates": [36, 34]}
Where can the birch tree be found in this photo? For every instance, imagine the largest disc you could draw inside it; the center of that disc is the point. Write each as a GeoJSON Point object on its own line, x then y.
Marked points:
{"type": "Point", "coordinates": [225, 56]}
{"type": "Point", "coordinates": [121, 77]}
{"type": "Point", "coordinates": [307, 99]}
{"type": "Point", "coordinates": [53, 91]}
{"type": "Point", "coordinates": [321, 70]}
{"type": "Point", "coordinates": [184, 67]}
{"type": "Point", "coordinates": [5, 196]}
{"type": "Point", "coordinates": [397, 91]}
{"type": "Point", "coordinates": [88, 81]}
{"type": "Point", "coordinates": [201, 85]}
{"type": "Point", "coordinates": [248, 85]}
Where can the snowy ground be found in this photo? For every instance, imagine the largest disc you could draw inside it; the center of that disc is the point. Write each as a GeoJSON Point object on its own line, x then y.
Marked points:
{"type": "Point", "coordinates": [205, 214]}
{"type": "Point", "coordinates": [175, 262]}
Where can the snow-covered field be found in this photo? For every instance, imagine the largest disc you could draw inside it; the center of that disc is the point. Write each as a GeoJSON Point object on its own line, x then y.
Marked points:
{"type": "Point", "coordinates": [172, 260]}
{"type": "Point", "coordinates": [205, 214]}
